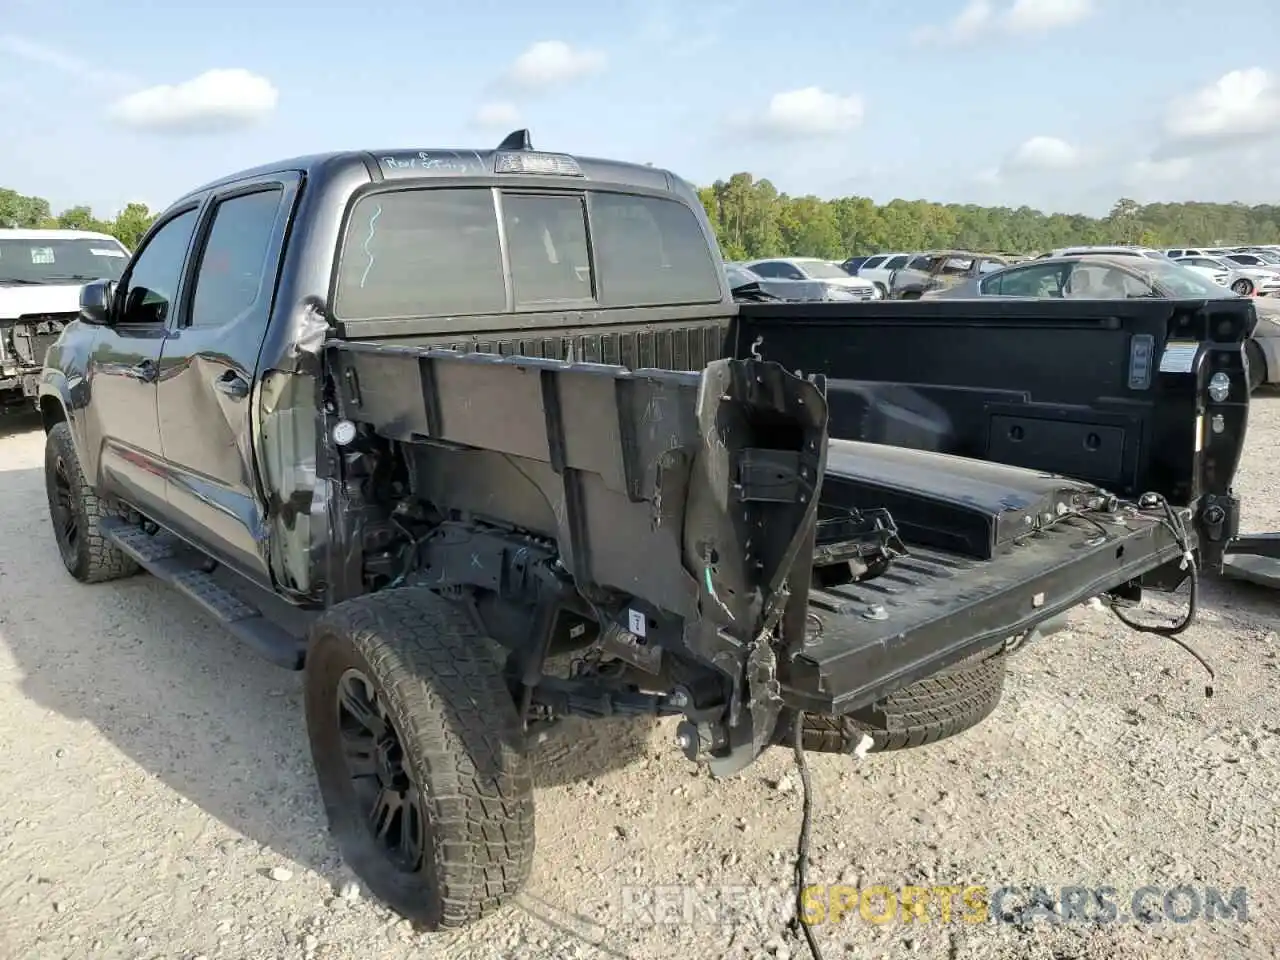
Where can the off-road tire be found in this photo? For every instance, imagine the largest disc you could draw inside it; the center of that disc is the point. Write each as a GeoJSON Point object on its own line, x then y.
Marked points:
{"type": "Point", "coordinates": [929, 710]}
{"type": "Point", "coordinates": [1257, 364]}
{"type": "Point", "coordinates": [463, 747]}
{"type": "Point", "coordinates": [89, 557]}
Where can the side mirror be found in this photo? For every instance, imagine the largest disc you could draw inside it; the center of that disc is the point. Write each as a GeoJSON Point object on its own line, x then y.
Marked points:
{"type": "Point", "coordinates": [95, 302]}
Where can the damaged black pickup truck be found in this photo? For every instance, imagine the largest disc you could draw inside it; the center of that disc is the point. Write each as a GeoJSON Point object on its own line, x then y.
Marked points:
{"type": "Point", "coordinates": [427, 423]}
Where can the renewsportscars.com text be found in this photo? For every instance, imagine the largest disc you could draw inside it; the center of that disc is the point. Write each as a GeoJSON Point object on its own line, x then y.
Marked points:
{"type": "Point", "coordinates": [693, 905]}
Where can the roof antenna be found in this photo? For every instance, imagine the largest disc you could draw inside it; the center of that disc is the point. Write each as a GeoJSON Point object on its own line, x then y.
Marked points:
{"type": "Point", "coordinates": [516, 140]}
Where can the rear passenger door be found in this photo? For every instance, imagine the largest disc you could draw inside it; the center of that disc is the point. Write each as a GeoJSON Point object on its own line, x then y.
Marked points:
{"type": "Point", "coordinates": [206, 395]}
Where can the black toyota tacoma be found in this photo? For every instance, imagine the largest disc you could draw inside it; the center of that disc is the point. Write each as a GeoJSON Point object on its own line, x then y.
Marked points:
{"type": "Point", "coordinates": [480, 440]}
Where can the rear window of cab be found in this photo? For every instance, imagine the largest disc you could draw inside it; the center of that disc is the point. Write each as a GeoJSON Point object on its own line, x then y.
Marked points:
{"type": "Point", "coordinates": [450, 251]}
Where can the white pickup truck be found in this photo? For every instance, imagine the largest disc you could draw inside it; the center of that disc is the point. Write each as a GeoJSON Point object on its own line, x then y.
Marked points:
{"type": "Point", "coordinates": [41, 273]}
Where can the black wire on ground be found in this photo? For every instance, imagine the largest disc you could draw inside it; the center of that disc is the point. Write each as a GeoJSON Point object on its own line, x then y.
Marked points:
{"type": "Point", "coordinates": [806, 827]}
{"type": "Point", "coordinates": [1174, 523]}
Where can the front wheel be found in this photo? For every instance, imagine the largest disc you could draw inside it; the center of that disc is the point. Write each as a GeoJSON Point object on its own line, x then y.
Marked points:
{"type": "Point", "coordinates": [77, 512]}
{"type": "Point", "coordinates": [1243, 287]}
{"type": "Point", "coordinates": [420, 756]}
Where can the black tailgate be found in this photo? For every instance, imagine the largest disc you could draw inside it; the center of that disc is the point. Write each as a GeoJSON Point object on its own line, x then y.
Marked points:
{"type": "Point", "coordinates": [1112, 392]}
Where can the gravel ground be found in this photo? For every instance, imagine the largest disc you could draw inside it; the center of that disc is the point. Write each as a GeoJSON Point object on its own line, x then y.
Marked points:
{"type": "Point", "coordinates": [158, 800]}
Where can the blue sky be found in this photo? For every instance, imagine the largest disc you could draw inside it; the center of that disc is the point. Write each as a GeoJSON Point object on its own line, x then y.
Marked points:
{"type": "Point", "coordinates": [1060, 104]}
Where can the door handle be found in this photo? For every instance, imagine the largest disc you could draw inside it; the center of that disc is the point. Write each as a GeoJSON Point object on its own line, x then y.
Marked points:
{"type": "Point", "coordinates": [233, 385]}
{"type": "Point", "coordinates": [144, 371]}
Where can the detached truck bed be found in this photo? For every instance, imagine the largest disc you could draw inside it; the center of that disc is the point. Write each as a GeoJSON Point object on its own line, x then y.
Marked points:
{"type": "Point", "coordinates": [480, 440]}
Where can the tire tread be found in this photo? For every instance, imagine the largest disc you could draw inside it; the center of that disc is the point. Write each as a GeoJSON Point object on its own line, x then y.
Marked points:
{"type": "Point", "coordinates": [929, 710]}
{"type": "Point", "coordinates": [99, 560]}
{"type": "Point", "coordinates": [457, 720]}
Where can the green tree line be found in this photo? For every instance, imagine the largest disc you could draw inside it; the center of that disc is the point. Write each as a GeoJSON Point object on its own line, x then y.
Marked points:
{"type": "Point", "coordinates": [752, 219]}
{"type": "Point", "coordinates": [34, 213]}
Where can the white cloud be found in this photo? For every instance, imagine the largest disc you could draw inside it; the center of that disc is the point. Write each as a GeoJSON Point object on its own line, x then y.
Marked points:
{"type": "Point", "coordinates": [216, 100]}
{"type": "Point", "coordinates": [43, 55]}
{"type": "Point", "coordinates": [553, 63]}
{"type": "Point", "coordinates": [807, 112]}
{"type": "Point", "coordinates": [677, 31]}
{"type": "Point", "coordinates": [1172, 170]}
{"type": "Point", "coordinates": [1243, 105]}
{"type": "Point", "coordinates": [496, 113]}
{"type": "Point", "coordinates": [1037, 155]}
{"type": "Point", "coordinates": [1041, 16]}
{"type": "Point", "coordinates": [1044, 153]}
{"type": "Point", "coordinates": [979, 18]}
{"type": "Point", "coordinates": [967, 25]}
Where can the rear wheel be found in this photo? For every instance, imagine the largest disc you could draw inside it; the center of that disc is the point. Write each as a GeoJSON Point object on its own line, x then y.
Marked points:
{"type": "Point", "coordinates": [420, 756]}
{"type": "Point", "coordinates": [76, 513]}
{"type": "Point", "coordinates": [1243, 287]}
{"type": "Point", "coordinates": [929, 710]}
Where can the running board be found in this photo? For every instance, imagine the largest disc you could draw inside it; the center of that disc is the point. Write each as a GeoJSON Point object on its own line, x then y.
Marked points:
{"type": "Point", "coordinates": [163, 556]}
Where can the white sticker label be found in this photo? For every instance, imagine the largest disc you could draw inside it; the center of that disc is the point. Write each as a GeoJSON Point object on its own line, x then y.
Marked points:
{"type": "Point", "coordinates": [42, 255]}
{"type": "Point", "coordinates": [106, 252]}
{"type": "Point", "coordinates": [1179, 356]}
{"type": "Point", "coordinates": [636, 622]}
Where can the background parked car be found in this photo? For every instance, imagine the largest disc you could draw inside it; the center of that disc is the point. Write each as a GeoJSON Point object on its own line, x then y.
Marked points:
{"type": "Point", "coordinates": [1092, 277]}
{"type": "Point", "coordinates": [879, 269]}
{"type": "Point", "coordinates": [1260, 270]}
{"type": "Point", "coordinates": [929, 273]}
{"type": "Point", "coordinates": [1244, 280]}
{"type": "Point", "coordinates": [41, 273]}
{"type": "Point", "coordinates": [741, 278]}
{"type": "Point", "coordinates": [1114, 251]}
{"type": "Point", "coordinates": [821, 279]}
{"type": "Point", "coordinates": [851, 265]}
{"type": "Point", "coordinates": [1266, 254]}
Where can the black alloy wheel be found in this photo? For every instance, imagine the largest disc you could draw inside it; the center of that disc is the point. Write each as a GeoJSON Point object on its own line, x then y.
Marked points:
{"type": "Point", "coordinates": [374, 756]}
{"type": "Point", "coordinates": [62, 512]}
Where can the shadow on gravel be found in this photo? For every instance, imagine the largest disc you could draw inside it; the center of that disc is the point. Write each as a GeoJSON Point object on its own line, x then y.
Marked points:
{"type": "Point", "coordinates": [12, 424]}
{"type": "Point", "coordinates": [577, 749]}
{"type": "Point", "coordinates": [192, 708]}
{"type": "Point", "coordinates": [1235, 598]}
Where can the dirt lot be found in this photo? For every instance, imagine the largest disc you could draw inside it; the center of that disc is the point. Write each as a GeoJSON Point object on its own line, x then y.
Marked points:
{"type": "Point", "coordinates": [156, 798]}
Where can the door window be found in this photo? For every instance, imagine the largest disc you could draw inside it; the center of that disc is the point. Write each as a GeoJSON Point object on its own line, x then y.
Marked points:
{"type": "Point", "coordinates": [1103, 283]}
{"type": "Point", "coordinates": [234, 264]}
{"type": "Point", "coordinates": [155, 272]}
{"type": "Point", "coordinates": [769, 268]}
{"type": "Point", "coordinates": [1041, 280]}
